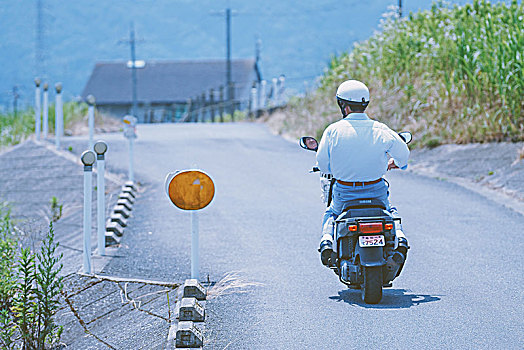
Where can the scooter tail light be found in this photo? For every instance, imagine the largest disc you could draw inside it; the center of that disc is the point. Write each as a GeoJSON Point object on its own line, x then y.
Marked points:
{"type": "Point", "coordinates": [388, 226]}
{"type": "Point", "coordinates": [371, 227]}
{"type": "Point", "coordinates": [352, 228]}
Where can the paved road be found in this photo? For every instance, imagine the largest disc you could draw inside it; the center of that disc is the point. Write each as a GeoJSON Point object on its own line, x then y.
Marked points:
{"type": "Point", "coordinates": [460, 289]}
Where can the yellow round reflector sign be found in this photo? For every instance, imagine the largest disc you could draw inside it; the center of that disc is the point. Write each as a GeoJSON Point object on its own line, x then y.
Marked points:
{"type": "Point", "coordinates": [190, 189]}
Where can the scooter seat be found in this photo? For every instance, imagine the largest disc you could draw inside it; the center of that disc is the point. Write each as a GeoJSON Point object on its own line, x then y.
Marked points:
{"type": "Point", "coordinates": [365, 203]}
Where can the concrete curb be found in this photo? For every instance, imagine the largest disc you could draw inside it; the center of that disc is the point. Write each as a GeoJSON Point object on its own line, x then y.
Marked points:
{"type": "Point", "coordinates": [495, 195]}
{"type": "Point", "coordinates": [187, 331]}
{"type": "Point", "coordinates": [120, 213]}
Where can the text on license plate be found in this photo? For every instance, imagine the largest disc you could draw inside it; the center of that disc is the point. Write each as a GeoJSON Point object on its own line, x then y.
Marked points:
{"type": "Point", "coordinates": [371, 241]}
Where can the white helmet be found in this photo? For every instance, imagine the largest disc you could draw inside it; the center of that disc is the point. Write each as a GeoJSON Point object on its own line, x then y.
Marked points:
{"type": "Point", "coordinates": [353, 94]}
{"type": "Point", "coordinates": [353, 91]}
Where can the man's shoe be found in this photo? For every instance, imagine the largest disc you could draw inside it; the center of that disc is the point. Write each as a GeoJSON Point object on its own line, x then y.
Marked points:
{"type": "Point", "coordinates": [326, 252]}
{"type": "Point", "coordinates": [403, 246]}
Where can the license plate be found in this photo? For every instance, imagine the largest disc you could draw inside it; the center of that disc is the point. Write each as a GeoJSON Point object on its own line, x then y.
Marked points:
{"type": "Point", "coordinates": [371, 241]}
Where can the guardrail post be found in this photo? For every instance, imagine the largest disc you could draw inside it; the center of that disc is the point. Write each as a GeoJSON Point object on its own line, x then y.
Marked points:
{"type": "Point", "coordinates": [262, 95]}
{"type": "Point", "coordinates": [231, 96]}
{"type": "Point", "coordinates": [253, 100]}
{"type": "Point", "coordinates": [100, 148]}
{"type": "Point", "coordinates": [281, 89]}
{"type": "Point", "coordinates": [274, 91]}
{"type": "Point", "coordinates": [88, 159]}
{"type": "Point", "coordinates": [37, 108]}
{"type": "Point", "coordinates": [59, 115]}
{"type": "Point", "coordinates": [91, 118]}
{"type": "Point", "coordinates": [189, 108]}
{"type": "Point", "coordinates": [197, 108]}
{"type": "Point", "coordinates": [45, 112]}
{"type": "Point", "coordinates": [221, 103]}
{"type": "Point", "coordinates": [212, 105]}
{"type": "Point", "coordinates": [204, 108]}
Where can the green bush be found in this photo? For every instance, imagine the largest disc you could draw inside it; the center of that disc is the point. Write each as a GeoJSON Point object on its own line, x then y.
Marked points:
{"type": "Point", "coordinates": [29, 291]}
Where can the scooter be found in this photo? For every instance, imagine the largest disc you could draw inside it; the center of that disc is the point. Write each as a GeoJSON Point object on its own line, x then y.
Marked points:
{"type": "Point", "coordinates": [366, 255]}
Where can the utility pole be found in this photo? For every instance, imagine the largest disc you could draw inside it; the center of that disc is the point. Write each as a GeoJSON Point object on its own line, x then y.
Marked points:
{"type": "Point", "coordinates": [399, 8]}
{"type": "Point", "coordinates": [229, 80]}
{"type": "Point", "coordinates": [133, 68]}
{"type": "Point", "coordinates": [228, 55]}
{"type": "Point", "coordinates": [132, 42]}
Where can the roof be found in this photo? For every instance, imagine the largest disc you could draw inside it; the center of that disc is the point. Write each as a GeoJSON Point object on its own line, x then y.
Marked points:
{"type": "Point", "coordinates": [166, 81]}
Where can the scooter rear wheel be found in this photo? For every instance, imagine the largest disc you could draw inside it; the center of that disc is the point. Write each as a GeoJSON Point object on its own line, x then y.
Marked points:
{"type": "Point", "coordinates": [372, 286]}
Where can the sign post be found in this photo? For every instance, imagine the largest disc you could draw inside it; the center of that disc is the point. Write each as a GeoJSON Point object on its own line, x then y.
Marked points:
{"type": "Point", "coordinates": [130, 134]}
{"type": "Point", "coordinates": [191, 190]}
{"type": "Point", "coordinates": [88, 159]}
{"type": "Point", "coordinates": [195, 252]}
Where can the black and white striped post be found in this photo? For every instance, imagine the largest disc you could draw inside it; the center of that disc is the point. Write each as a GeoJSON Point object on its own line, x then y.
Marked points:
{"type": "Point", "coordinates": [88, 159]}
{"type": "Point", "coordinates": [100, 148]}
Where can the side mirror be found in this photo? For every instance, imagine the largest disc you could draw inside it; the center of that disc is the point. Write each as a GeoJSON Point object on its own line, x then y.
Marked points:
{"type": "Point", "coordinates": [309, 143]}
{"type": "Point", "coordinates": [406, 136]}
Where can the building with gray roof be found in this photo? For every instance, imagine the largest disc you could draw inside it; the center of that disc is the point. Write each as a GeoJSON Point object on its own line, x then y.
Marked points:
{"type": "Point", "coordinates": [164, 88]}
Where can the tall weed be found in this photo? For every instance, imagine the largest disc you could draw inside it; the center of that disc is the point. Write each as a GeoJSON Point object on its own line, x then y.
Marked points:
{"type": "Point", "coordinates": [8, 278]}
{"type": "Point", "coordinates": [29, 291]}
{"type": "Point", "coordinates": [15, 129]}
{"type": "Point", "coordinates": [452, 73]}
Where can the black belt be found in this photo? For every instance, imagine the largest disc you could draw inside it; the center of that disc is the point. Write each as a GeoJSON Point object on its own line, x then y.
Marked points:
{"type": "Point", "coordinates": [365, 183]}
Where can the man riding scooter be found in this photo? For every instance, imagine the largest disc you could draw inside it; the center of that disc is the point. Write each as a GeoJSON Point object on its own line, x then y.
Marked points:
{"type": "Point", "coordinates": [355, 151]}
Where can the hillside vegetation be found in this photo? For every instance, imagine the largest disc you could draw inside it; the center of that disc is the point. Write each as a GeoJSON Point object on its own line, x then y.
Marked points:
{"type": "Point", "coordinates": [449, 74]}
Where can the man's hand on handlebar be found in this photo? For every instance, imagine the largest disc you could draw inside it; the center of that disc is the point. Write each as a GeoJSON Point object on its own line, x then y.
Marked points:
{"type": "Point", "coordinates": [391, 164]}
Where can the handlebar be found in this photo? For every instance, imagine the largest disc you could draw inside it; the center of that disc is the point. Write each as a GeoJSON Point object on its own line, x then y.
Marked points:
{"type": "Point", "coordinates": [315, 169]}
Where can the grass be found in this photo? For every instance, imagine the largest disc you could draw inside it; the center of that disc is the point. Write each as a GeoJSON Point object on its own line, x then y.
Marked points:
{"type": "Point", "coordinates": [449, 74]}
{"type": "Point", "coordinates": [231, 283]}
{"type": "Point", "coordinates": [15, 129]}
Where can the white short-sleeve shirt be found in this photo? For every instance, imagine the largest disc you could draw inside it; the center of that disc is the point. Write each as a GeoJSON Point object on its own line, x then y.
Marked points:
{"type": "Point", "coordinates": [356, 148]}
